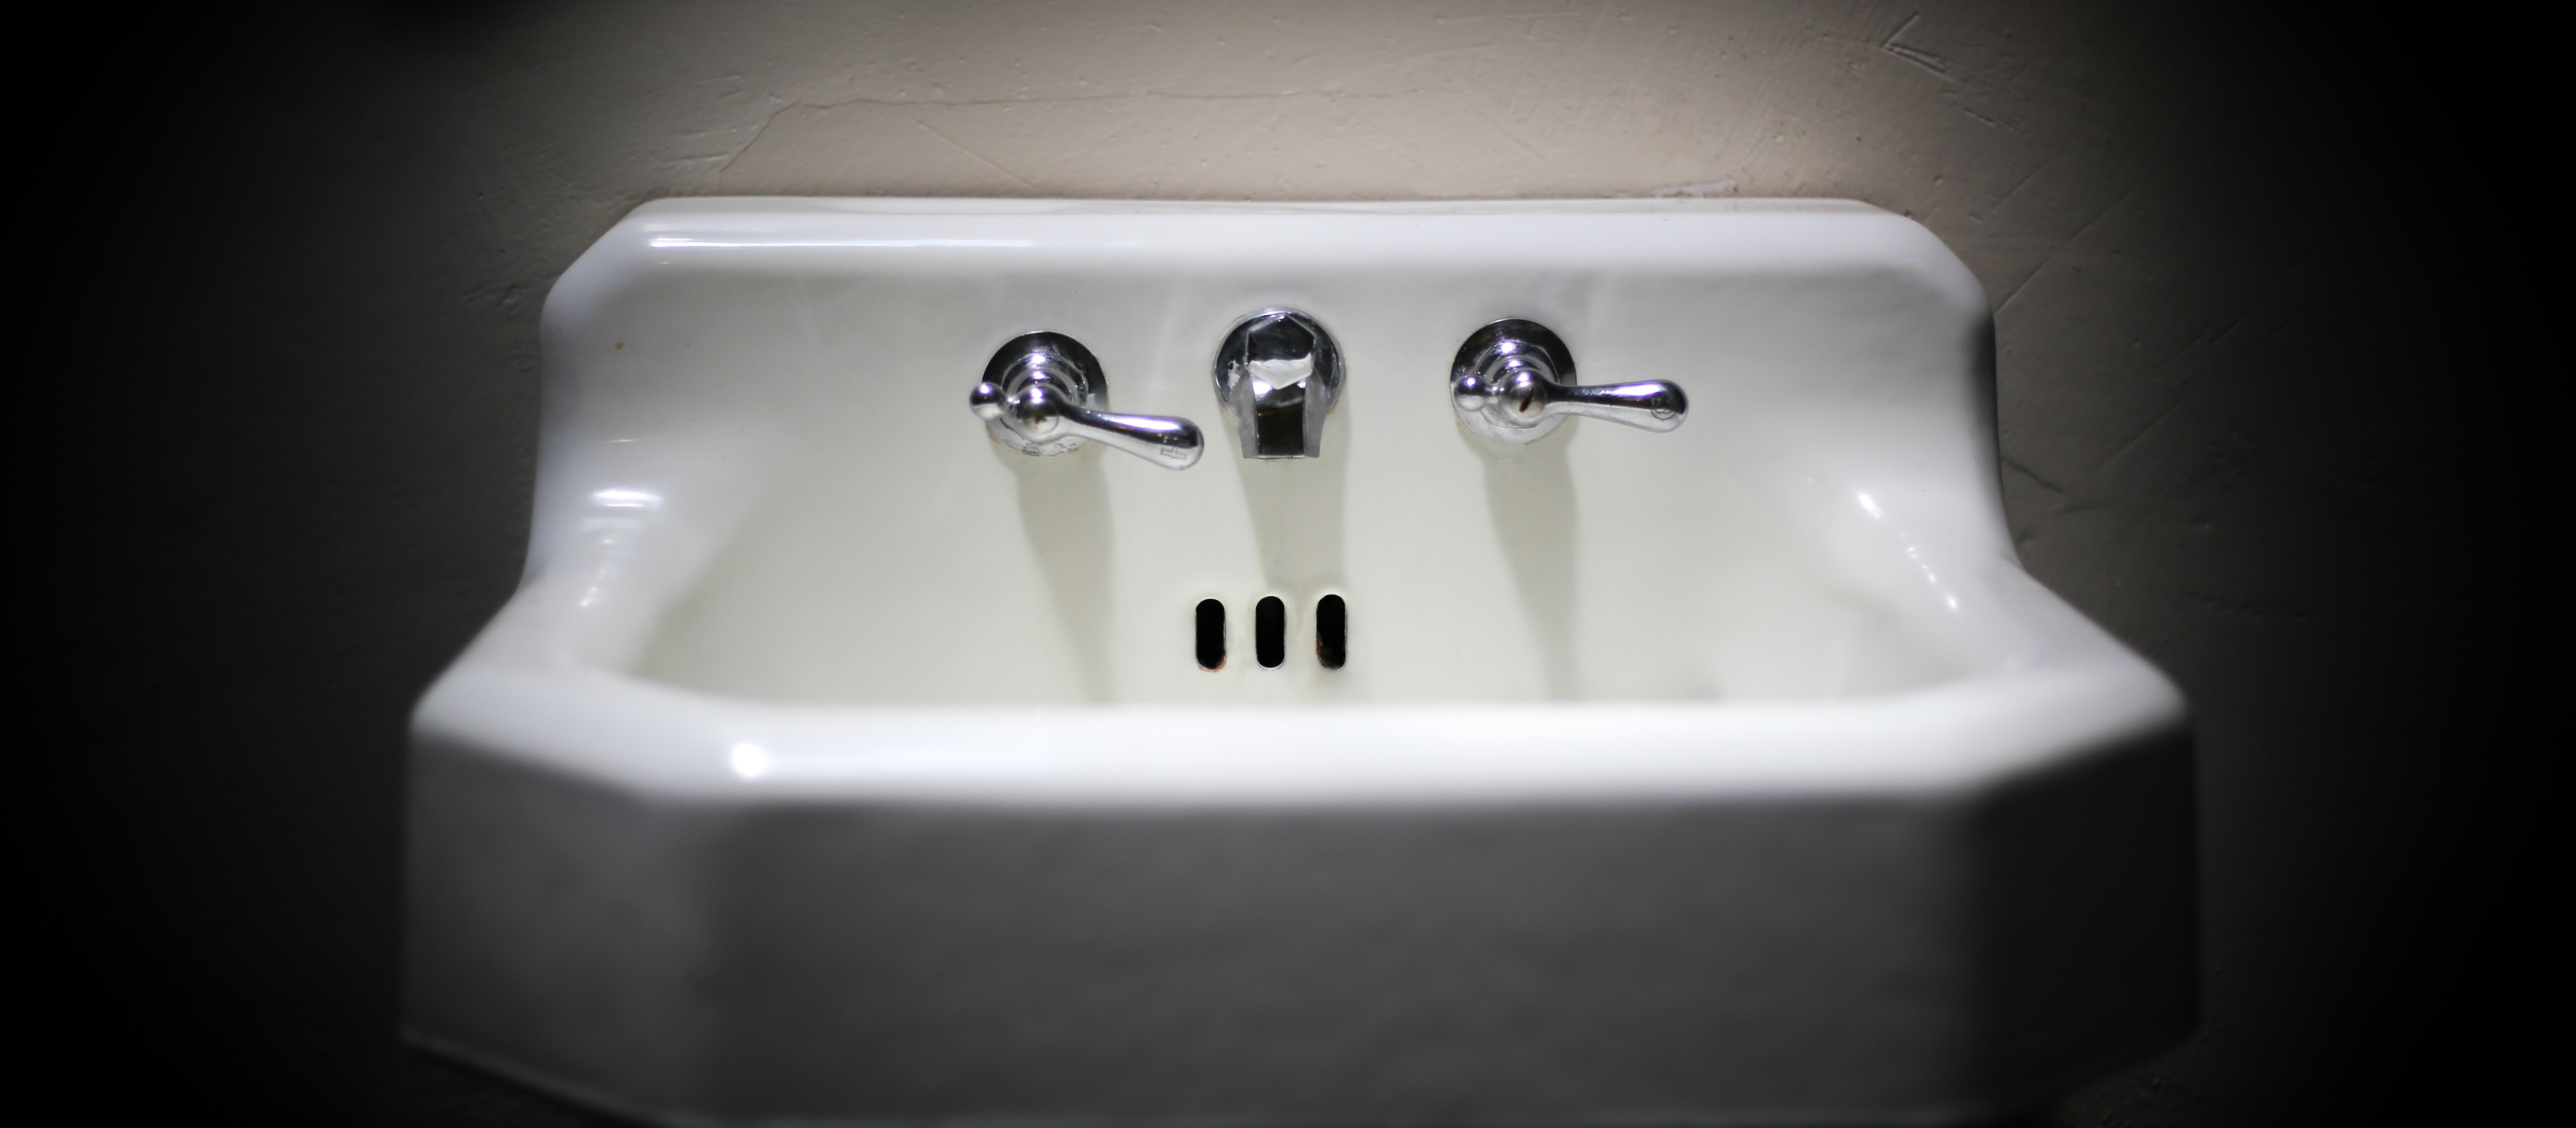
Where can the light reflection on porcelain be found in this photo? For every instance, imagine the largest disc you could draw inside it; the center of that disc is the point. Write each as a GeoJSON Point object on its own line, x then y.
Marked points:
{"type": "Point", "coordinates": [837, 764]}
{"type": "Point", "coordinates": [627, 499]}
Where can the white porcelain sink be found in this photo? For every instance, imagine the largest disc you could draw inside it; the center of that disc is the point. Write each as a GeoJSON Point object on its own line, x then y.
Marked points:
{"type": "Point", "coordinates": [837, 764]}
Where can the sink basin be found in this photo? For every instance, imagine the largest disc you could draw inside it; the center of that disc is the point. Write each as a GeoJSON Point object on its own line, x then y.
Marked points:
{"type": "Point", "coordinates": [836, 763]}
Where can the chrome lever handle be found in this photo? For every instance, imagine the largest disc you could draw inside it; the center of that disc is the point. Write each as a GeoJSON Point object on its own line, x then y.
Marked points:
{"type": "Point", "coordinates": [1652, 405]}
{"type": "Point", "coordinates": [1513, 383]}
{"type": "Point", "coordinates": [1161, 440]}
{"type": "Point", "coordinates": [1044, 394]}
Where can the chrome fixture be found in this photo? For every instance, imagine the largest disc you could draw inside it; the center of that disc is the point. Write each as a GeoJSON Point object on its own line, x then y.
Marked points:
{"type": "Point", "coordinates": [1279, 373]}
{"type": "Point", "coordinates": [1513, 382]}
{"type": "Point", "coordinates": [1043, 394]}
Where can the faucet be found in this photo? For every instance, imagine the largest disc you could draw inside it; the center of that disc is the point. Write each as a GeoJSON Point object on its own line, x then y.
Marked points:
{"type": "Point", "coordinates": [1513, 382]}
{"type": "Point", "coordinates": [1044, 394]}
{"type": "Point", "coordinates": [1279, 372]}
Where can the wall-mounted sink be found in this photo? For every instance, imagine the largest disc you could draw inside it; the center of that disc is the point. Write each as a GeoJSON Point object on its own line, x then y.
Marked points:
{"type": "Point", "coordinates": [840, 763]}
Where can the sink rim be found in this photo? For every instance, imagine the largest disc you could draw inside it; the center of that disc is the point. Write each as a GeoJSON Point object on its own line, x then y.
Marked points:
{"type": "Point", "coordinates": [649, 737]}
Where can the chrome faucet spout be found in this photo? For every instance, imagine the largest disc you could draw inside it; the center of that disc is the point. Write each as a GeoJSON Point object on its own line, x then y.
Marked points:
{"type": "Point", "coordinates": [1278, 373]}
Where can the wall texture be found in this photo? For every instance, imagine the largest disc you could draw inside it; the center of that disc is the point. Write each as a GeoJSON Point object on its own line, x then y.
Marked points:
{"type": "Point", "coordinates": [2221, 433]}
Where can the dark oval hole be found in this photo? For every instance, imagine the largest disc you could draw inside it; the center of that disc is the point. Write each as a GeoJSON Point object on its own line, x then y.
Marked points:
{"type": "Point", "coordinates": [1270, 631]}
{"type": "Point", "coordinates": [1332, 640]}
{"type": "Point", "coordinates": [1211, 634]}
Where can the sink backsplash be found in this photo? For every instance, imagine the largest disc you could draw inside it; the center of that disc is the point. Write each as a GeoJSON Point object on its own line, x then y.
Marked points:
{"type": "Point", "coordinates": [893, 553]}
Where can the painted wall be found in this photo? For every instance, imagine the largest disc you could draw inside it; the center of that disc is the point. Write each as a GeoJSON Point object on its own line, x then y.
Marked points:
{"type": "Point", "coordinates": [2212, 355]}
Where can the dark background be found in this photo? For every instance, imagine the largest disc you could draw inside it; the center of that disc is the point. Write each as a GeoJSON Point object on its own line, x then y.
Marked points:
{"type": "Point", "coordinates": [304, 428]}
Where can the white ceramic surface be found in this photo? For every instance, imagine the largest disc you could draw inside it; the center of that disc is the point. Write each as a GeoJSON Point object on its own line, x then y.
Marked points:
{"type": "Point", "coordinates": [836, 764]}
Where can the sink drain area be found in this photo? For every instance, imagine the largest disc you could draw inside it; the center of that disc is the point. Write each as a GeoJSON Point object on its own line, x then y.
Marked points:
{"type": "Point", "coordinates": [1270, 633]}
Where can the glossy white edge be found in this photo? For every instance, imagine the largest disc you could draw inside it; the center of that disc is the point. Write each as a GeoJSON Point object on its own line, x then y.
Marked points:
{"type": "Point", "coordinates": [546, 682]}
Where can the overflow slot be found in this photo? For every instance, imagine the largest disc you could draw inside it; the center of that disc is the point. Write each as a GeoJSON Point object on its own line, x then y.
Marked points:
{"type": "Point", "coordinates": [1332, 632]}
{"type": "Point", "coordinates": [1211, 634]}
{"type": "Point", "coordinates": [1270, 631]}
